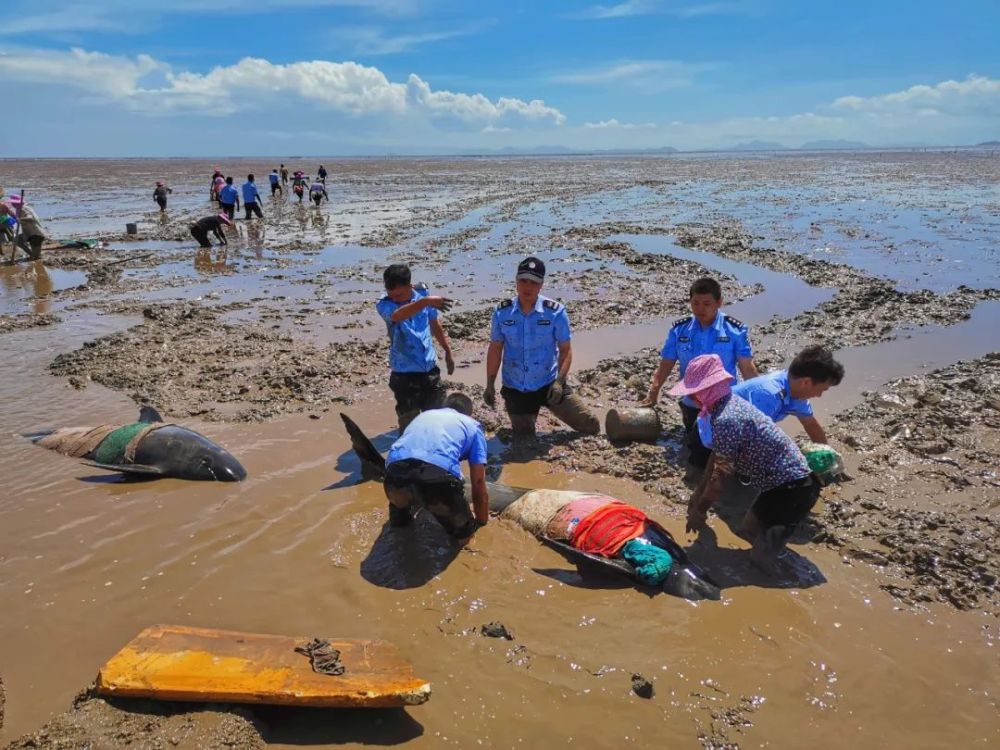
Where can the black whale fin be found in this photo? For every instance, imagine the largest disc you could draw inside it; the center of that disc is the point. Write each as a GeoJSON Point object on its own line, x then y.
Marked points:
{"type": "Point", "coordinates": [149, 414]}
{"type": "Point", "coordinates": [372, 462]}
{"type": "Point", "coordinates": [142, 469]}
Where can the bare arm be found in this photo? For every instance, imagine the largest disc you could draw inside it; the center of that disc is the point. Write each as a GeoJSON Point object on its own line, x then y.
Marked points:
{"type": "Point", "coordinates": [494, 357]}
{"type": "Point", "coordinates": [438, 332]}
{"type": "Point", "coordinates": [565, 360]}
{"type": "Point", "coordinates": [480, 495]}
{"type": "Point", "coordinates": [747, 368]}
{"type": "Point", "coordinates": [813, 429]}
{"type": "Point", "coordinates": [407, 311]}
{"type": "Point", "coordinates": [659, 378]}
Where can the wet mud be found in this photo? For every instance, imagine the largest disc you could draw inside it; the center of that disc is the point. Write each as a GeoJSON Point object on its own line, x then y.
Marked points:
{"type": "Point", "coordinates": [264, 336]}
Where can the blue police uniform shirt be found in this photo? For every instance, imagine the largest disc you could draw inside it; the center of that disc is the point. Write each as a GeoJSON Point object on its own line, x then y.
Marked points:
{"type": "Point", "coordinates": [410, 345]}
{"type": "Point", "coordinates": [530, 342]}
{"type": "Point", "coordinates": [250, 194]}
{"type": "Point", "coordinates": [442, 437]}
{"type": "Point", "coordinates": [273, 177]}
{"type": "Point", "coordinates": [771, 394]}
{"type": "Point", "coordinates": [726, 336]}
{"type": "Point", "coordinates": [229, 194]}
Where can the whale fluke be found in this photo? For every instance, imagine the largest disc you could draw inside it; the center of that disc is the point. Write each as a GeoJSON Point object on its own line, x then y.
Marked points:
{"type": "Point", "coordinates": [149, 414]}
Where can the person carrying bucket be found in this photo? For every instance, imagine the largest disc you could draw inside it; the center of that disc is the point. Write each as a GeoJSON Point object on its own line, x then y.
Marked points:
{"type": "Point", "coordinates": [530, 338]}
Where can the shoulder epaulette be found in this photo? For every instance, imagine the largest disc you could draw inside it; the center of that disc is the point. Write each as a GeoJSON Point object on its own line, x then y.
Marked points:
{"type": "Point", "coordinates": [504, 303]}
{"type": "Point", "coordinates": [420, 286]}
{"type": "Point", "coordinates": [733, 321]}
{"type": "Point", "coordinates": [552, 304]}
{"type": "Point", "coordinates": [681, 321]}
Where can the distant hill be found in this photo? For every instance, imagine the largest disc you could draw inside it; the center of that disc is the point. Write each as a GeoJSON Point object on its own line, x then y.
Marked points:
{"type": "Point", "coordinates": [833, 145]}
{"type": "Point", "coordinates": [562, 150]}
{"type": "Point", "coordinates": [988, 144]}
{"type": "Point", "coordinates": [759, 146]}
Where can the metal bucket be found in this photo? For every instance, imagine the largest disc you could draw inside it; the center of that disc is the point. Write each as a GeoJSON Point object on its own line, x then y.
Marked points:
{"type": "Point", "coordinates": [640, 424]}
{"type": "Point", "coordinates": [131, 228]}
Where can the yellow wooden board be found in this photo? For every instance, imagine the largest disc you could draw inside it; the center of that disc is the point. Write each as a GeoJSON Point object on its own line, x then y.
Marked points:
{"type": "Point", "coordinates": [173, 662]}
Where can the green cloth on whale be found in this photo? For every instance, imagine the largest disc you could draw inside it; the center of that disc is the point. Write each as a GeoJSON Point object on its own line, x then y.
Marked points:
{"type": "Point", "coordinates": [112, 448]}
{"type": "Point", "coordinates": [651, 563]}
{"type": "Point", "coordinates": [821, 458]}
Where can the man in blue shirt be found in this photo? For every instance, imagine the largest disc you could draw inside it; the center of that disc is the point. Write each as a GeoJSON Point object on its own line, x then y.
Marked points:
{"type": "Point", "coordinates": [411, 317]}
{"type": "Point", "coordinates": [784, 392]}
{"type": "Point", "coordinates": [530, 337]}
{"type": "Point", "coordinates": [229, 198]}
{"type": "Point", "coordinates": [251, 199]}
{"type": "Point", "coordinates": [423, 468]}
{"type": "Point", "coordinates": [275, 183]}
{"type": "Point", "coordinates": [706, 331]}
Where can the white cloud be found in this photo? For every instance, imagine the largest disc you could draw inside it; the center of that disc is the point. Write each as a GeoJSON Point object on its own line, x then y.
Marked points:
{"type": "Point", "coordinates": [974, 95]}
{"type": "Point", "coordinates": [150, 86]}
{"type": "Point", "coordinates": [374, 40]}
{"type": "Point", "coordinates": [614, 124]}
{"type": "Point", "coordinates": [650, 75]}
{"type": "Point", "coordinates": [658, 7]}
{"type": "Point", "coordinates": [622, 10]}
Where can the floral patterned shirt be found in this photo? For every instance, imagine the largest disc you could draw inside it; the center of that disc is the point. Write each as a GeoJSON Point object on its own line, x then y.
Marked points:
{"type": "Point", "coordinates": [761, 453]}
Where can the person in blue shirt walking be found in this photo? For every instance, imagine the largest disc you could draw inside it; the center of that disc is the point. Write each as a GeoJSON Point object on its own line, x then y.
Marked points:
{"type": "Point", "coordinates": [411, 317]}
{"type": "Point", "coordinates": [229, 199]}
{"type": "Point", "coordinates": [530, 337]}
{"type": "Point", "coordinates": [251, 199]}
{"type": "Point", "coordinates": [275, 181]}
{"type": "Point", "coordinates": [423, 469]}
{"type": "Point", "coordinates": [706, 331]}
{"type": "Point", "coordinates": [782, 392]}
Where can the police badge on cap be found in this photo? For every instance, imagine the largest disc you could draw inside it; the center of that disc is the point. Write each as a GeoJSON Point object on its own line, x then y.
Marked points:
{"type": "Point", "coordinates": [531, 269]}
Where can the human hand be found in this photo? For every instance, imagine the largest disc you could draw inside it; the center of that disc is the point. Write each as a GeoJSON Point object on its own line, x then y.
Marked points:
{"type": "Point", "coordinates": [490, 395]}
{"type": "Point", "coordinates": [557, 392]}
{"type": "Point", "coordinates": [650, 400]}
{"type": "Point", "coordinates": [449, 363]}
{"type": "Point", "coordinates": [696, 520]}
{"type": "Point", "coordinates": [441, 303]}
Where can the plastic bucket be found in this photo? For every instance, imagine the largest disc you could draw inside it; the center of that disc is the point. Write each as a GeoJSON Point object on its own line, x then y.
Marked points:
{"type": "Point", "coordinates": [640, 424]}
{"type": "Point", "coordinates": [131, 229]}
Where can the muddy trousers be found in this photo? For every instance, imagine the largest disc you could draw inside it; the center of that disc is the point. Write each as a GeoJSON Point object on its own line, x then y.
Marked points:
{"type": "Point", "coordinates": [416, 392]}
{"type": "Point", "coordinates": [697, 453]}
{"type": "Point", "coordinates": [201, 235]}
{"type": "Point", "coordinates": [253, 208]}
{"type": "Point", "coordinates": [412, 483]}
{"type": "Point", "coordinates": [523, 407]}
{"type": "Point", "coordinates": [31, 245]}
{"type": "Point", "coordinates": [162, 203]}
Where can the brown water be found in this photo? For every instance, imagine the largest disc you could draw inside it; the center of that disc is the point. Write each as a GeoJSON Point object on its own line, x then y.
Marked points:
{"type": "Point", "coordinates": [301, 548]}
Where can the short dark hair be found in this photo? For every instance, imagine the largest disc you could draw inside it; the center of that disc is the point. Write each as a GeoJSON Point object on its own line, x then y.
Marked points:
{"type": "Point", "coordinates": [706, 285]}
{"type": "Point", "coordinates": [229, 180]}
{"type": "Point", "coordinates": [398, 274]}
{"type": "Point", "coordinates": [459, 402]}
{"type": "Point", "coordinates": [817, 363]}
{"type": "Point", "coordinates": [250, 177]}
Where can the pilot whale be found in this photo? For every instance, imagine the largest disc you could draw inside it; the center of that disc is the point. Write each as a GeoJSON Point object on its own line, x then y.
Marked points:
{"type": "Point", "coordinates": [528, 507]}
{"type": "Point", "coordinates": [147, 448]}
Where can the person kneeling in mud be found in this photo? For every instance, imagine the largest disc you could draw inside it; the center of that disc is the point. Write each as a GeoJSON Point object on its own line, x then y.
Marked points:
{"type": "Point", "coordinates": [746, 444]}
{"type": "Point", "coordinates": [317, 192]}
{"type": "Point", "coordinates": [213, 224]}
{"type": "Point", "coordinates": [530, 336]}
{"type": "Point", "coordinates": [423, 469]}
{"type": "Point", "coordinates": [411, 318]}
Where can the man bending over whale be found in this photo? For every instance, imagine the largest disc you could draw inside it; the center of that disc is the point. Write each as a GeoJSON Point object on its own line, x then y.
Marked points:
{"type": "Point", "coordinates": [423, 469]}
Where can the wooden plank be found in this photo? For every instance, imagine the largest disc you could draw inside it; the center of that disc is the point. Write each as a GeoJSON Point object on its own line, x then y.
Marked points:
{"type": "Point", "coordinates": [174, 662]}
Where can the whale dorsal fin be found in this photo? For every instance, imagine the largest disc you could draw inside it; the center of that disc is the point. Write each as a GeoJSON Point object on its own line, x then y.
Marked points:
{"type": "Point", "coordinates": [149, 414]}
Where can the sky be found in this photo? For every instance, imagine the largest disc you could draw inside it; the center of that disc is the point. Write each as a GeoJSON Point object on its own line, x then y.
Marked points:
{"type": "Point", "coordinates": [372, 77]}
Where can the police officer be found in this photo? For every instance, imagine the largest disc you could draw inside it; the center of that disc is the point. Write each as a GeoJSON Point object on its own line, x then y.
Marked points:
{"type": "Point", "coordinates": [706, 331]}
{"type": "Point", "coordinates": [530, 337]}
{"type": "Point", "coordinates": [411, 318]}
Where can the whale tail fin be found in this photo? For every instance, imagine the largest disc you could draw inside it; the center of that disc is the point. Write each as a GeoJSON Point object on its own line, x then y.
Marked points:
{"type": "Point", "coordinates": [148, 414]}
{"type": "Point", "coordinates": [372, 462]}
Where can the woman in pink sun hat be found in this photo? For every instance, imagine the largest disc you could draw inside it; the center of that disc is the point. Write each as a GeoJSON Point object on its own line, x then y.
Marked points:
{"type": "Point", "coordinates": [748, 446]}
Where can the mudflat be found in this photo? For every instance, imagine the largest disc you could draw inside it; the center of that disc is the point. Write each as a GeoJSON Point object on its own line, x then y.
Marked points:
{"type": "Point", "coordinates": [891, 591]}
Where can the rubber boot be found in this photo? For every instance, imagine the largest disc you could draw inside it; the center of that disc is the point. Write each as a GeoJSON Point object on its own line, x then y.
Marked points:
{"type": "Point", "coordinates": [573, 412]}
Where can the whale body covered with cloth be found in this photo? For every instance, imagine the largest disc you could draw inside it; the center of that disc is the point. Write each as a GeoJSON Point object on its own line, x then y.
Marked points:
{"type": "Point", "coordinates": [590, 529]}
{"type": "Point", "coordinates": [148, 448]}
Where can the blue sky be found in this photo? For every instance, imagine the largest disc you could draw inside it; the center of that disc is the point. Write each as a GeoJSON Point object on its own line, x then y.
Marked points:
{"type": "Point", "coordinates": [228, 77]}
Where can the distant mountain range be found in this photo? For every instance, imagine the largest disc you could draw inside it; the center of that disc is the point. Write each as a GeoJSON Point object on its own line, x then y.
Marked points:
{"type": "Point", "coordinates": [758, 146]}
{"type": "Point", "coordinates": [562, 150]}
{"type": "Point", "coordinates": [833, 145]}
{"type": "Point", "coordinates": [988, 144]}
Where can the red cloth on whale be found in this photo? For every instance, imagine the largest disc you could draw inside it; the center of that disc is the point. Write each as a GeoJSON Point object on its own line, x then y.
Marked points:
{"type": "Point", "coordinates": [607, 529]}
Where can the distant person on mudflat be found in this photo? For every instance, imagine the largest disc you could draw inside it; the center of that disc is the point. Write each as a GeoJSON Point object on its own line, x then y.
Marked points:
{"type": "Point", "coordinates": [229, 199]}
{"type": "Point", "coordinates": [299, 184]}
{"type": "Point", "coordinates": [217, 183]}
{"type": "Point", "coordinates": [530, 339]}
{"type": "Point", "coordinates": [251, 199]}
{"type": "Point", "coordinates": [275, 181]}
{"type": "Point", "coordinates": [706, 331]}
{"type": "Point", "coordinates": [32, 234]}
{"type": "Point", "coordinates": [423, 469]}
{"type": "Point", "coordinates": [410, 313]}
{"type": "Point", "coordinates": [284, 175]}
{"type": "Point", "coordinates": [317, 192]}
{"type": "Point", "coordinates": [201, 228]}
{"type": "Point", "coordinates": [749, 446]}
{"type": "Point", "coordinates": [160, 193]}
{"type": "Point", "coordinates": [782, 392]}
{"type": "Point", "coordinates": [322, 174]}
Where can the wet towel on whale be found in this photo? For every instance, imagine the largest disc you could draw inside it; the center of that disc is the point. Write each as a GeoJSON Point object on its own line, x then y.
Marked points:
{"type": "Point", "coordinates": [564, 523]}
{"type": "Point", "coordinates": [606, 530]}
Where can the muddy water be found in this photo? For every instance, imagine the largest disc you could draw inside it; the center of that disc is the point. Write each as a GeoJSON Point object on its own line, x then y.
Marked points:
{"type": "Point", "coordinates": [301, 548]}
